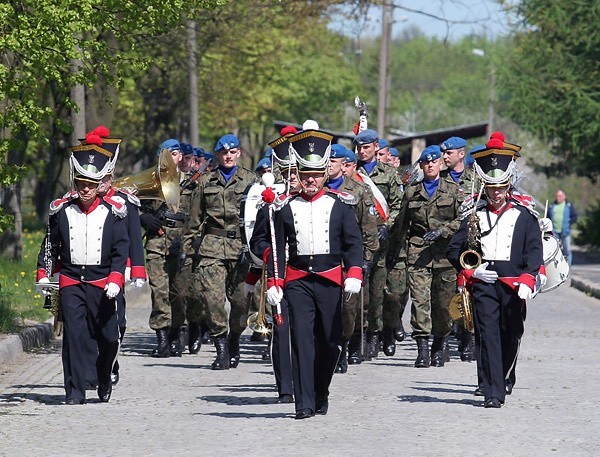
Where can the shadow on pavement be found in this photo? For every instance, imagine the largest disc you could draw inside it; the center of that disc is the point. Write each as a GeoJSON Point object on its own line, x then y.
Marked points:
{"type": "Point", "coordinates": [239, 401]}
{"type": "Point", "coordinates": [426, 399]}
{"type": "Point", "coordinates": [248, 415]}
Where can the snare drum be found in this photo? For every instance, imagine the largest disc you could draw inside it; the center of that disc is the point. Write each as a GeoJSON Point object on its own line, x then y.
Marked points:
{"type": "Point", "coordinates": [251, 200]}
{"type": "Point", "coordinates": [557, 267]}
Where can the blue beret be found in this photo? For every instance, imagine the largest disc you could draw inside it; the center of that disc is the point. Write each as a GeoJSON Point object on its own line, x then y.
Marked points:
{"type": "Point", "coordinates": [269, 152]}
{"type": "Point", "coordinates": [383, 143]}
{"type": "Point", "coordinates": [366, 137]}
{"type": "Point", "coordinates": [227, 142]}
{"type": "Point", "coordinates": [171, 144]}
{"type": "Point", "coordinates": [208, 156]}
{"type": "Point", "coordinates": [394, 152]}
{"type": "Point", "coordinates": [430, 153]}
{"type": "Point", "coordinates": [199, 152]}
{"type": "Point", "coordinates": [350, 156]}
{"type": "Point", "coordinates": [263, 164]}
{"type": "Point", "coordinates": [477, 148]}
{"type": "Point", "coordinates": [468, 161]}
{"type": "Point", "coordinates": [454, 142]}
{"type": "Point", "coordinates": [338, 151]}
{"type": "Point", "coordinates": [186, 149]}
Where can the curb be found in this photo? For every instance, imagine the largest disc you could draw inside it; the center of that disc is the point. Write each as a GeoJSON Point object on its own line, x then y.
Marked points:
{"type": "Point", "coordinates": [27, 339]}
{"type": "Point", "coordinates": [586, 286]}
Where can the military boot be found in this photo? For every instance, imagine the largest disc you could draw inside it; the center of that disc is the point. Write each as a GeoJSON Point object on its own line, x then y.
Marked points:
{"type": "Point", "coordinates": [366, 352]}
{"type": "Point", "coordinates": [373, 339]}
{"type": "Point", "coordinates": [234, 349]}
{"type": "Point", "coordinates": [439, 351]}
{"type": "Point", "coordinates": [342, 365]}
{"type": "Point", "coordinates": [422, 360]}
{"type": "Point", "coordinates": [399, 332]}
{"type": "Point", "coordinates": [205, 333]}
{"type": "Point", "coordinates": [174, 343]}
{"type": "Point", "coordinates": [389, 342]}
{"type": "Point", "coordinates": [222, 360]}
{"type": "Point", "coordinates": [194, 338]}
{"type": "Point", "coordinates": [162, 348]}
{"type": "Point", "coordinates": [354, 355]}
{"type": "Point", "coordinates": [467, 354]}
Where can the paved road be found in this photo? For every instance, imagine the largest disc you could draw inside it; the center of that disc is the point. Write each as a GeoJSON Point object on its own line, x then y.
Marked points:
{"type": "Point", "coordinates": [387, 407]}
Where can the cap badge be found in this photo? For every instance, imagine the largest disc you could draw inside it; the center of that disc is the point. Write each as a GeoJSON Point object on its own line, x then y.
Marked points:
{"type": "Point", "coordinates": [91, 158]}
{"type": "Point", "coordinates": [311, 147]}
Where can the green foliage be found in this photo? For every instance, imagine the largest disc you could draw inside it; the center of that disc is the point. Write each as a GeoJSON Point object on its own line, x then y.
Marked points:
{"type": "Point", "coordinates": [554, 80]}
{"type": "Point", "coordinates": [589, 227]}
{"type": "Point", "coordinates": [18, 299]}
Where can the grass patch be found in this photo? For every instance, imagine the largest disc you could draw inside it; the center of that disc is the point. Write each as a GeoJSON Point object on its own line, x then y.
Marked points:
{"type": "Point", "coordinates": [18, 299]}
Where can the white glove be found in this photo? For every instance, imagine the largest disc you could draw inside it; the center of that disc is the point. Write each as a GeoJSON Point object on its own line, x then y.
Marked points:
{"type": "Point", "coordinates": [45, 292]}
{"type": "Point", "coordinates": [249, 289]}
{"type": "Point", "coordinates": [352, 285]}
{"type": "Point", "coordinates": [128, 274]}
{"type": "Point", "coordinates": [524, 291]}
{"type": "Point", "coordinates": [138, 282]}
{"type": "Point", "coordinates": [459, 289]}
{"type": "Point", "coordinates": [485, 275]}
{"type": "Point", "coordinates": [274, 296]}
{"type": "Point", "coordinates": [543, 279]}
{"type": "Point", "coordinates": [546, 224]}
{"type": "Point", "coordinates": [112, 290]}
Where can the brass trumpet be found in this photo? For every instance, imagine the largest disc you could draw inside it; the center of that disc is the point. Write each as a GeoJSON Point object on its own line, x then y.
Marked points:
{"type": "Point", "coordinates": [461, 307]}
{"type": "Point", "coordinates": [470, 259]}
{"type": "Point", "coordinates": [259, 321]}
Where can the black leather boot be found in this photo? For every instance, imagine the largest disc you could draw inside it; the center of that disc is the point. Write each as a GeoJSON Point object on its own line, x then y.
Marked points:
{"type": "Point", "coordinates": [468, 347]}
{"type": "Point", "coordinates": [366, 353]}
{"type": "Point", "coordinates": [342, 365]}
{"type": "Point", "coordinates": [389, 342]}
{"type": "Point", "coordinates": [373, 344]}
{"type": "Point", "coordinates": [354, 355]}
{"type": "Point", "coordinates": [222, 360]}
{"type": "Point", "coordinates": [205, 332]}
{"type": "Point", "coordinates": [399, 332]}
{"type": "Point", "coordinates": [162, 348]}
{"type": "Point", "coordinates": [439, 351]}
{"type": "Point", "coordinates": [194, 339]}
{"type": "Point", "coordinates": [174, 343]}
{"type": "Point", "coordinates": [234, 349]}
{"type": "Point", "coordinates": [422, 360]}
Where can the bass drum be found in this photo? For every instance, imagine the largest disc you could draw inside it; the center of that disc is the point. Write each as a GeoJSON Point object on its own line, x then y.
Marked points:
{"type": "Point", "coordinates": [251, 201]}
{"type": "Point", "coordinates": [557, 267]}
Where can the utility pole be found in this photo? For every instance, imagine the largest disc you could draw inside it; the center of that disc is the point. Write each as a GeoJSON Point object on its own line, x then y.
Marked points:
{"type": "Point", "coordinates": [193, 80]}
{"type": "Point", "coordinates": [384, 61]}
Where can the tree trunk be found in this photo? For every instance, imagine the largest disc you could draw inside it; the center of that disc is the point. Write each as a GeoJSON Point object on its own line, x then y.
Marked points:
{"type": "Point", "coordinates": [11, 241]}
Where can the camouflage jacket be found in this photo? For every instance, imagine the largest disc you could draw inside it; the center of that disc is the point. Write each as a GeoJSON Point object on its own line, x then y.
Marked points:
{"type": "Point", "coordinates": [420, 214]}
{"type": "Point", "coordinates": [213, 228]}
{"type": "Point", "coordinates": [387, 180]}
{"type": "Point", "coordinates": [365, 213]}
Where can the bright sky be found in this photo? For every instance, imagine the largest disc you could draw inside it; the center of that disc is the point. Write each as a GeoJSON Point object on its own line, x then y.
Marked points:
{"type": "Point", "coordinates": [464, 17]}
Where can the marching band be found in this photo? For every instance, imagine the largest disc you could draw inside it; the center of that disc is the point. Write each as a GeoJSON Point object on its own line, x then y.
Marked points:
{"type": "Point", "coordinates": [333, 240]}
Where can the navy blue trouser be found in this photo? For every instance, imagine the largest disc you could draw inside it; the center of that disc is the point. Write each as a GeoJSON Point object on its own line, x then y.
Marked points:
{"type": "Point", "coordinates": [315, 306]}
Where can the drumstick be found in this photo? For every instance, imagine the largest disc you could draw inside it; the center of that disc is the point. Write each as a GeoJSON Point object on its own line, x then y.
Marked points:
{"type": "Point", "coordinates": [546, 209]}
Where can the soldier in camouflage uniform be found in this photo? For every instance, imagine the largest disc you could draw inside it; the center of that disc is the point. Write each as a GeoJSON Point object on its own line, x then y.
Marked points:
{"type": "Point", "coordinates": [366, 215]}
{"type": "Point", "coordinates": [186, 304]}
{"type": "Point", "coordinates": [164, 230]}
{"type": "Point", "coordinates": [453, 153]}
{"type": "Point", "coordinates": [389, 185]}
{"type": "Point", "coordinates": [214, 233]}
{"type": "Point", "coordinates": [428, 218]}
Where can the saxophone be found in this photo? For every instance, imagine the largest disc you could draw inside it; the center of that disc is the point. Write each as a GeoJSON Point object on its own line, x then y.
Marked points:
{"type": "Point", "coordinates": [461, 305]}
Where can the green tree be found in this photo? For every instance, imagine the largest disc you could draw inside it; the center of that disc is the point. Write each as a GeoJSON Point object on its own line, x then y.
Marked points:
{"type": "Point", "coordinates": [554, 80]}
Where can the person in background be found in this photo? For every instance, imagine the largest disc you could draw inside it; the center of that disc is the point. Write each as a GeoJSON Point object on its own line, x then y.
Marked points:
{"type": "Point", "coordinates": [563, 215]}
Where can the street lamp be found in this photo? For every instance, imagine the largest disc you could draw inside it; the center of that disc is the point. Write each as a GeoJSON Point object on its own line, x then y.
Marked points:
{"type": "Point", "coordinates": [492, 92]}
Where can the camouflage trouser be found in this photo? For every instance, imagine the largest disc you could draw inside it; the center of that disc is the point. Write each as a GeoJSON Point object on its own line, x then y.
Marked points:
{"type": "Point", "coordinates": [161, 278]}
{"type": "Point", "coordinates": [431, 290]}
{"type": "Point", "coordinates": [187, 305]}
{"type": "Point", "coordinates": [351, 317]}
{"type": "Point", "coordinates": [215, 281]}
{"type": "Point", "coordinates": [395, 294]}
{"type": "Point", "coordinates": [377, 280]}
